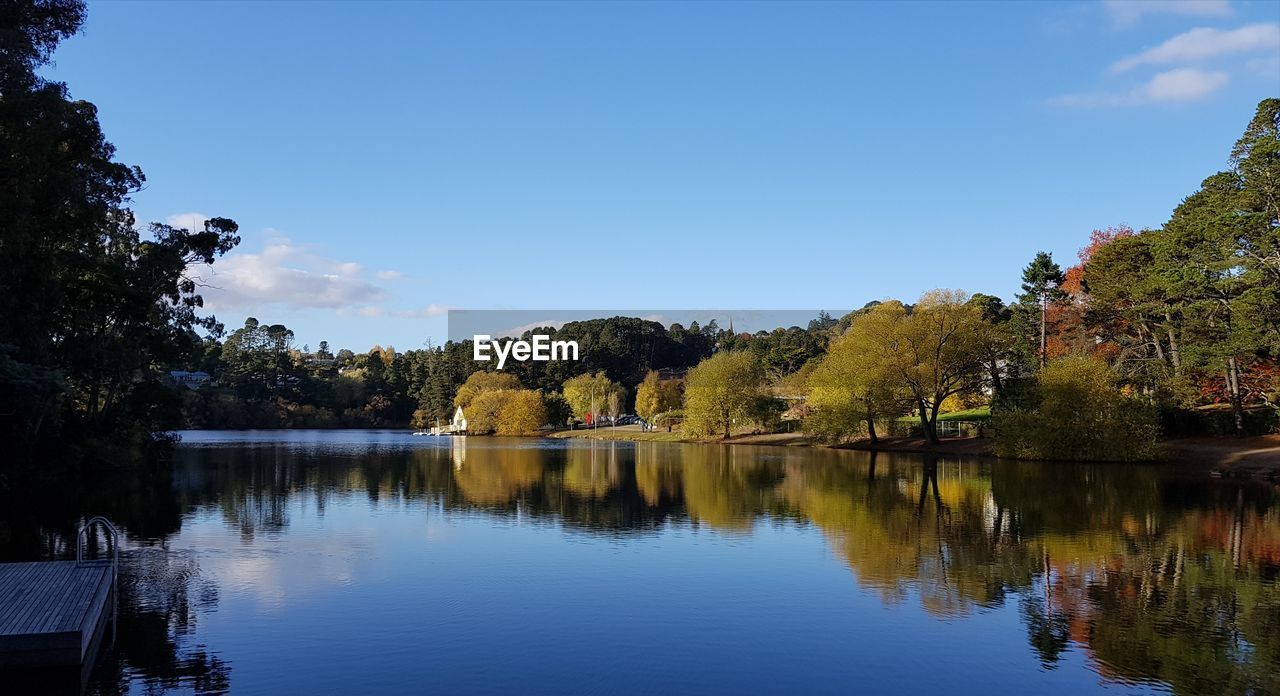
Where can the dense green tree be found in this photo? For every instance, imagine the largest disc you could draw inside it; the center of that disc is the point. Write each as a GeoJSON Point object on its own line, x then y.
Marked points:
{"type": "Point", "coordinates": [1256, 161]}
{"type": "Point", "coordinates": [259, 360]}
{"type": "Point", "coordinates": [557, 408]}
{"type": "Point", "coordinates": [935, 351]}
{"type": "Point", "coordinates": [722, 391]}
{"type": "Point", "coordinates": [851, 387]}
{"type": "Point", "coordinates": [999, 339]}
{"type": "Point", "coordinates": [91, 309]}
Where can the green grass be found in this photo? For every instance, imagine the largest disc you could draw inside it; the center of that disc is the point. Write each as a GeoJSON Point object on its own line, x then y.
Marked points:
{"type": "Point", "coordinates": [982, 413]}
{"type": "Point", "coordinates": [623, 433]}
{"type": "Point", "coordinates": [979, 414]}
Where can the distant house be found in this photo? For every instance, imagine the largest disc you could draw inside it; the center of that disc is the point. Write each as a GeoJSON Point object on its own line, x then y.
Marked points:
{"type": "Point", "coordinates": [190, 380]}
{"type": "Point", "coordinates": [457, 426]}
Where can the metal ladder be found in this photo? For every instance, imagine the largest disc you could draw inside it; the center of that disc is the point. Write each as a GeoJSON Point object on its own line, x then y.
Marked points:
{"type": "Point", "coordinates": [114, 536]}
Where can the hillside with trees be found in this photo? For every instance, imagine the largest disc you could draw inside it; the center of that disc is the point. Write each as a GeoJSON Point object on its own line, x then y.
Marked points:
{"type": "Point", "coordinates": [1174, 330]}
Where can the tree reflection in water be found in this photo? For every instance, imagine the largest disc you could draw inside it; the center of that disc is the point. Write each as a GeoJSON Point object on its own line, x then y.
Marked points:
{"type": "Point", "coordinates": [1157, 578]}
{"type": "Point", "coordinates": [161, 596]}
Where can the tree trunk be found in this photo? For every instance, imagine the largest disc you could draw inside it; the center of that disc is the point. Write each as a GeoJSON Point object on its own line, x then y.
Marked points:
{"type": "Point", "coordinates": [871, 429]}
{"type": "Point", "coordinates": [1174, 354]}
{"type": "Point", "coordinates": [929, 425]}
{"type": "Point", "coordinates": [1233, 386]}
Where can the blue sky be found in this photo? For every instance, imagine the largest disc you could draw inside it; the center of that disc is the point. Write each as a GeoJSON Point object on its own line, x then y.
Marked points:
{"type": "Point", "coordinates": [387, 161]}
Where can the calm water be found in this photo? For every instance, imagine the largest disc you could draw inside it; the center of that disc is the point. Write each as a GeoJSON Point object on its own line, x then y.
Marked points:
{"type": "Point", "coordinates": [378, 562]}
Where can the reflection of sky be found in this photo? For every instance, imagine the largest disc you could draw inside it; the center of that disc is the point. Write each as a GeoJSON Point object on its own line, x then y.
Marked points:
{"type": "Point", "coordinates": [276, 569]}
{"type": "Point", "coordinates": [399, 595]}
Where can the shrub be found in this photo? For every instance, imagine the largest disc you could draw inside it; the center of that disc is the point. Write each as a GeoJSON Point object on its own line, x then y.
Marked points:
{"type": "Point", "coordinates": [1074, 411]}
{"type": "Point", "coordinates": [557, 408]}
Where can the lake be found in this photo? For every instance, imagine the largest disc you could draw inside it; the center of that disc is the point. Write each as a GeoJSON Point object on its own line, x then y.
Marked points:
{"type": "Point", "coordinates": [377, 562]}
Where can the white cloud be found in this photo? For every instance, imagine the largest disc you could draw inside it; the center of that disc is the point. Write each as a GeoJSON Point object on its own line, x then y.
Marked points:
{"type": "Point", "coordinates": [1182, 85]}
{"type": "Point", "coordinates": [284, 273]}
{"type": "Point", "coordinates": [1129, 12]}
{"type": "Point", "coordinates": [187, 221]}
{"type": "Point", "coordinates": [1172, 86]}
{"type": "Point", "coordinates": [390, 275]}
{"type": "Point", "coordinates": [1201, 43]}
{"type": "Point", "coordinates": [431, 310]}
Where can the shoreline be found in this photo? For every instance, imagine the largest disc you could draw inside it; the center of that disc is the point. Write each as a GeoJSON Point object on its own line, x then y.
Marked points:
{"type": "Point", "coordinates": [1250, 457]}
{"type": "Point", "coordinates": [1256, 457]}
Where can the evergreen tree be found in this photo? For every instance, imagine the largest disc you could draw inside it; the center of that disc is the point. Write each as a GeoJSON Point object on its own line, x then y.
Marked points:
{"type": "Point", "coordinates": [1040, 286]}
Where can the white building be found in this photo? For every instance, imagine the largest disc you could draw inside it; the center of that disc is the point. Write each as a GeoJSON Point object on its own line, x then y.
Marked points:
{"type": "Point", "coordinates": [190, 380]}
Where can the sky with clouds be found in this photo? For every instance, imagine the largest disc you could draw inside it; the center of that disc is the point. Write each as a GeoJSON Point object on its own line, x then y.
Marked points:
{"type": "Point", "coordinates": [387, 161]}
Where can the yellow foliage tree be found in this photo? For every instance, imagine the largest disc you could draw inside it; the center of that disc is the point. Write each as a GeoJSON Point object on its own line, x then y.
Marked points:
{"type": "Point", "coordinates": [523, 413]}
{"type": "Point", "coordinates": [721, 391]}
{"type": "Point", "coordinates": [585, 391]}
{"type": "Point", "coordinates": [933, 351]}
{"type": "Point", "coordinates": [507, 412]}
{"type": "Point", "coordinates": [654, 396]}
{"type": "Point", "coordinates": [481, 382]}
{"type": "Point", "coordinates": [851, 387]}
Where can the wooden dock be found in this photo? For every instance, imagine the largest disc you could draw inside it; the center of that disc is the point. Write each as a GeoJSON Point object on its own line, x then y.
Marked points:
{"type": "Point", "coordinates": [54, 613]}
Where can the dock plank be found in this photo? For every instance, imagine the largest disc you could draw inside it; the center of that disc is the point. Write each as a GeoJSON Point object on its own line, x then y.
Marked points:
{"type": "Point", "coordinates": [11, 580]}
{"type": "Point", "coordinates": [51, 612]}
{"type": "Point", "coordinates": [83, 600]}
{"type": "Point", "coordinates": [61, 603]}
{"type": "Point", "coordinates": [24, 600]}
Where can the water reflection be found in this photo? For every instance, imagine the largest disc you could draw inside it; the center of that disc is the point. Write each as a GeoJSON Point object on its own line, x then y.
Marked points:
{"type": "Point", "coordinates": [162, 595]}
{"type": "Point", "coordinates": [1155, 578]}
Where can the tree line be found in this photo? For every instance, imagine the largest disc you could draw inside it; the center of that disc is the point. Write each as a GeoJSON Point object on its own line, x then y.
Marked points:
{"type": "Point", "coordinates": [1174, 329]}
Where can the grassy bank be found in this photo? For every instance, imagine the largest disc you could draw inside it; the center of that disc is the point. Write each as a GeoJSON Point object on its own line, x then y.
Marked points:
{"type": "Point", "coordinates": [626, 432]}
{"type": "Point", "coordinates": [966, 446]}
